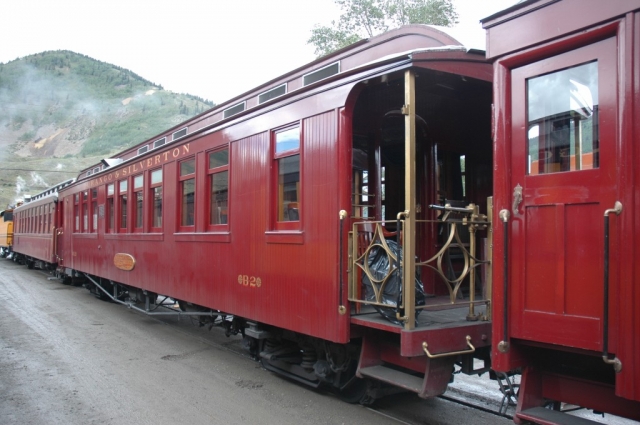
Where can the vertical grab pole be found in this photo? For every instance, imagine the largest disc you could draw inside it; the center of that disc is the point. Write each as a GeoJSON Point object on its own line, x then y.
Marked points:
{"type": "Point", "coordinates": [617, 364]}
{"type": "Point", "coordinates": [472, 261]}
{"type": "Point", "coordinates": [399, 303]}
{"type": "Point", "coordinates": [408, 245]}
{"type": "Point", "coordinates": [341, 308]}
{"type": "Point", "coordinates": [503, 346]}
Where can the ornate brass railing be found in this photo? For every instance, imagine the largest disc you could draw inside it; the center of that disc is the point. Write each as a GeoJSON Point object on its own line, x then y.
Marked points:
{"type": "Point", "coordinates": [365, 237]}
{"type": "Point", "coordinates": [373, 235]}
{"type": "Point", "coordinates": [456, 219]}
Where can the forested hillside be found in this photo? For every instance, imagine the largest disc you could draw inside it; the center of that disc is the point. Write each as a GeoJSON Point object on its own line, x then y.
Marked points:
{"type": "Point", "coordinates": [60, 111]}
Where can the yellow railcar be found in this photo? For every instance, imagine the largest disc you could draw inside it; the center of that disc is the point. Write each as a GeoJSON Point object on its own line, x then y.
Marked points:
{"type": "Point", "coordinates": [6, 232]}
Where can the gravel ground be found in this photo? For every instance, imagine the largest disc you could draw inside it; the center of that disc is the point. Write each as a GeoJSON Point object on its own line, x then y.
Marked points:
{"type": "Point", "coordinates": [69, 358]}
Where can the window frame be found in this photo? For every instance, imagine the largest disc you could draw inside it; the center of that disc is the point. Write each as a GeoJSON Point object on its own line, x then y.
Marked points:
{"type": "Point", "coordinates": [111, 209]}
{"type": "Point", "coordinates": [138, 207]}
{"type": "Point", "coordinates": [210, 173]}
{"type": "Point", "coordinates": [151, 201]}
{"type": "Point", "coordinates": [76, 212]}
{"type": "Point", "coordinates": [180, 189]}
{"type": "Point", "coordinates": [94, 210]}
{"type": "Point", "coordinates": [120, 210]}
{"type": "Point", "coordinates": [84, 197]}
{"type": "Point", "coordinates": [276, 223]}
{"type": "Point", "coordinates": [554, 156]}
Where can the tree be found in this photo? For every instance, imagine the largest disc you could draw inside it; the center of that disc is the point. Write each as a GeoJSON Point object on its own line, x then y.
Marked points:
{"type": "Point", "coordinates": [366, 18]}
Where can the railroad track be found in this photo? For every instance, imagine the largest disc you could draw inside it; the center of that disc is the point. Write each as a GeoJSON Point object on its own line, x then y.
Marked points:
{"type": "Point", "coordinates": [392, 407]}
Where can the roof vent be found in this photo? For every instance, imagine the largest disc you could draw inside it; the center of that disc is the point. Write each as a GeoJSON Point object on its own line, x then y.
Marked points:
{"type": "Point", "coordinates": [110, 162]}
{"type": "Point", "coordinates": [321, 74]}
{"type": "Point", "coordinates": [236, 109]}
{"type": "Point", "coordinates": [180, 133]}
{"type": "Point", "coordinates": [159, 142]}
{"type": "Point", "coordinates": [273, 93]}
{"type": "Point", "coordinates": [143, 149]}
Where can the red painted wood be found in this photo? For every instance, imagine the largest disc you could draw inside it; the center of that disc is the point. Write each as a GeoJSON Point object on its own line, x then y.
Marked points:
{"type": "Point", "coordinates": [34, 240]}
{"type": "Point", "coordinates": [556, 255]}
{"type": "Point", "coordinates": [512, 31]}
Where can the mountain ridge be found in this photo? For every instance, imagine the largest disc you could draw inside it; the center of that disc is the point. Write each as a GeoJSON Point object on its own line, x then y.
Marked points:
{"type": "Point", "coordinates": [63, 111]}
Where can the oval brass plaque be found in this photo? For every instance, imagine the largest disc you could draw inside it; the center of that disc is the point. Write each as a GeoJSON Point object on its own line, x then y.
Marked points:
{"type": "Point", "coordinates": [124, 262]}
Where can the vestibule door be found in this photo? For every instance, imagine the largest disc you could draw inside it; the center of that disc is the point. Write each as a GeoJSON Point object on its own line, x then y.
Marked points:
{"type": "Point", "coordinates": [564, 176]}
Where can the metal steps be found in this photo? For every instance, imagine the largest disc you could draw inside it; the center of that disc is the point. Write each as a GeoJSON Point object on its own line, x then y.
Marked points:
{"type": "Point", "coordinates": [394, 377]}
{"type": "Point", "coordinates": [540, 415]}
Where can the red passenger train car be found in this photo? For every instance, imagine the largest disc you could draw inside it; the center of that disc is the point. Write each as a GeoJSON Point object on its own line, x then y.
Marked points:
{"type": "Point", "coordinates": [270, 206]}
{"type": "Point", "coordinates": [36, 229]}
{"type": "Point", "coordinates": [341, 216]}
{"type": "Point", "coordinates": [566, 190]}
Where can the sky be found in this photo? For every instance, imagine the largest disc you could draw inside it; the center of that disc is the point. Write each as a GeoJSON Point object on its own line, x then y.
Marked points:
{"type": "Point", "coordinates": [209, 48]}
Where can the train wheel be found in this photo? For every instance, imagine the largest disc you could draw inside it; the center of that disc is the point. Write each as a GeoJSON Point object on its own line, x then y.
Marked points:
{"type": "Point", "coordinates": [357, 390]}
{"type": "Point", "coordinates": [30, 264]}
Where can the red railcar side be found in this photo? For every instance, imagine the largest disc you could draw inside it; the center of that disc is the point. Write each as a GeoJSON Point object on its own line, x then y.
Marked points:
{"type": "Point", "coordinates": [258, 208]}
{"type": "Point", "coordinates": [35, 226]}
{"type": "Point", "coordinates": [566, 190]}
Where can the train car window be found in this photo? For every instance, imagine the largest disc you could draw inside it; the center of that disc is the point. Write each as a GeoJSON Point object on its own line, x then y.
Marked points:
{"type": "Point", "coordinates": [46, 218]}
{"type": "Point", "coordinates": [187, 193]}
{"type": "Point", "coordinates": [76, 212]}
{"type": "Point", "coordinates": [123, 188]}
{"type": "Point", "coordinates": [138, 196]}
{"type": "Point", "coordinates": [156, 196]}
{"type": "Point", "coordinates": [94, 210]}
{"type": "Point", "coordinates": [219, 187]}
{"type": "Point", "coordinates": [287, 164]}
{"type": "Point", "coordinates": [85, 211]}
{"type": "Point", "coordinates": [110, 208]}
{"type": "Point", "coordinates": [562, 114]}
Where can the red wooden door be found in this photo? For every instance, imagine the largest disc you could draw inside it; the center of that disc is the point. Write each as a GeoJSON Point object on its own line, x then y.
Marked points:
{"type": "Point", "coordinates": [563, 157]}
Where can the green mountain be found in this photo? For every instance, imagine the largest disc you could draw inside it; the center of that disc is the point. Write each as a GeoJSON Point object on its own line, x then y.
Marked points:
{"type": "Point", "coordinates": [61, 111]}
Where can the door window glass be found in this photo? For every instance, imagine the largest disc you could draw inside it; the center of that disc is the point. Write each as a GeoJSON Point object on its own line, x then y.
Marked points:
{"type": "Point", "coordinates": [562, 116]}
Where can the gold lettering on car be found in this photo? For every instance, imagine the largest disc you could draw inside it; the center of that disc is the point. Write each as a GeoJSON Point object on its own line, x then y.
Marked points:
{"type": "Point", "coordinates": [141, 165]}
{"type": "Point", "coordinates": [249, 281]}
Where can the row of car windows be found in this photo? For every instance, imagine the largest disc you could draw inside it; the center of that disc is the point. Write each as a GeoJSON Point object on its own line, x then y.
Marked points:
{"type": "Point", "coordinates": [133, 206]}
{"type": "Point", "coordinates": [129, 201]}
{"type": "Point", "coordinates": [37, 219]}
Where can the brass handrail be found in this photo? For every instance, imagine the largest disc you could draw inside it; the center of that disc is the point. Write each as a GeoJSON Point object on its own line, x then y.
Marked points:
{"type": "Point", "coordinates": [452, 353]}
{"type": "Point", "coordinates": [615, 362]}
